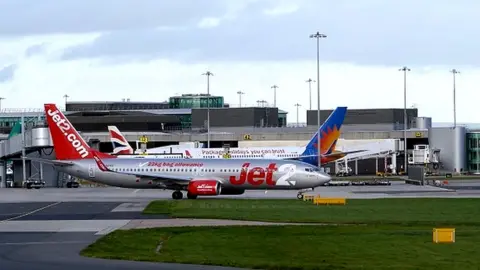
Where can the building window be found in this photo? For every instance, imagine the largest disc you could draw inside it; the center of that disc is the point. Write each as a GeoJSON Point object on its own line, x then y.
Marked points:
{"type": "Point", "coordinates": [473, 152]}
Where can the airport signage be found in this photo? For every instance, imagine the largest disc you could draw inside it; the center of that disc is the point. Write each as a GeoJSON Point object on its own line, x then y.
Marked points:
{"type": "Point", "coordinates": [143, 139]}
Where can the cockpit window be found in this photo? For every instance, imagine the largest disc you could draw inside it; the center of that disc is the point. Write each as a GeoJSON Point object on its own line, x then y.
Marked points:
{"type": "Point", "coordinates": [312, 169]}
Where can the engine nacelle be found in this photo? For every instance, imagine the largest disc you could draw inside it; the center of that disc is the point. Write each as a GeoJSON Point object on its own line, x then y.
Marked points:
{"type": "Point", "coordinates": [204, 187]}
{"type": "Point", "coordinates": [232, 191]}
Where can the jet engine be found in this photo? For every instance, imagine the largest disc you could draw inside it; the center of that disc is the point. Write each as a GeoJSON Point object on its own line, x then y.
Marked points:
{"type": "Point", "coordinates": [204, 188]}
{"type": "Point", "coordinates": [232, 191]}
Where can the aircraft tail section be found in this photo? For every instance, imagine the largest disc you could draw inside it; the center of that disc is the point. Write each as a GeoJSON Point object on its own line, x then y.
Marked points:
{"type": "Point", "coordinates": [329, 133]}
{"type": "Point", "coordinates": [120, 143]}
{"type": "Point", "coordinates": [332, 148]}
{"type": "Point", "coordinates": [67, 142]}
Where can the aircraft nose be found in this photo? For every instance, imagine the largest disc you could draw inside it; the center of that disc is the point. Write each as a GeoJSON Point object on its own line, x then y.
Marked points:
{"type": "Point", "coordinates": [323, 178]}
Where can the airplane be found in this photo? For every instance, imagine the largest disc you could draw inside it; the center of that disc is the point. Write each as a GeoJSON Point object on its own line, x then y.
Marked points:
{"type": "Point", "coordinates": [199, 177]}
{"type": "Point", "coordinates": [330, 132]}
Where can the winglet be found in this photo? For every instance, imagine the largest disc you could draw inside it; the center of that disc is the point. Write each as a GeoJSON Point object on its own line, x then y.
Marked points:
{"type": "Point", "coordinates": [99, 162]}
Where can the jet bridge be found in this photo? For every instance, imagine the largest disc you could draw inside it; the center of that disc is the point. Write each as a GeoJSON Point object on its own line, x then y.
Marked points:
{"type": "Point", "coordinates": [32, 142]}
{"type": "Point", "coordinates": [374, 150]}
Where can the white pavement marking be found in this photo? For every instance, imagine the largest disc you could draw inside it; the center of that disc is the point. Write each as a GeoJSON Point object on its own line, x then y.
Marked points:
{"type": "Point", "coordinates": [107, 230]}
{"type": "Point", "coordinates": [31, 212]}
{"type": "Point", "coordinates": [62, 225]}
{"type": "Point", "coordinates": [130, 207]}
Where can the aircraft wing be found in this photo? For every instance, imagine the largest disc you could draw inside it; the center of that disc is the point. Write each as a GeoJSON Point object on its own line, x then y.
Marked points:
{"type": "Point", "coordinates": [340, 154]}
{"type": "Point", "coordinates": [152, 175]}
{"type": "Point", "coordinates": [49, 161]}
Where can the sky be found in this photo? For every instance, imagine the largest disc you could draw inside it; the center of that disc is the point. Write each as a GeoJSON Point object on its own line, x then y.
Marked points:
{"type": "Point", "coordinates": [149, 50]}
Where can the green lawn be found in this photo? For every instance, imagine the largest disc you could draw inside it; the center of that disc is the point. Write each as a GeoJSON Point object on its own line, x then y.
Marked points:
{"type": "Point", "coordinates": [407, 211]}
{"type": "Point", "coordinates": [295, 247]}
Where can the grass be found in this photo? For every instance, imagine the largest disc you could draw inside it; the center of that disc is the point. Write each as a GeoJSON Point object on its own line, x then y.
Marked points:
{"type": "Point", "coordinates": [294, 247]}
{"type": "Point", "coordinates": [407, 211]}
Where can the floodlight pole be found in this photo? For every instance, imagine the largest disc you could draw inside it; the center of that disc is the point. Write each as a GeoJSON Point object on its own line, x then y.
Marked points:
{"type": "Point", "coordinates": [318, 36]}
{"type": "Point", "coordinates": [405, 125]}
{"type": "Point", "coordinates": [208, 74]}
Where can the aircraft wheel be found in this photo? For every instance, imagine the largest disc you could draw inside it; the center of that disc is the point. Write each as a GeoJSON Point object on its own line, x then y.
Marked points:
{"type": "Point", "coordinates": [191, 196]}
{"type": "Point", "coordinates": [300, 196]}
{"type": "Point", "coordinates": [177, 195]}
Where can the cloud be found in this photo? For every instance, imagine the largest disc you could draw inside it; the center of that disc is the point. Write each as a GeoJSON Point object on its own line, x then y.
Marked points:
{"type": "Point", "coordinates": [38, 80]}
{"type": "Point", "coordinates": [209, 22]}
{"type": "Point", "coordinates": [25, 17]}
{"type": "Point", "coordinates": [375, 32]}
{"type": "Point", "coordinates": [155, 50]}
{"type": "Point", "coordinates": [35, 50]}
{"type": "Point", "coordinates": [282, 8]}
{"type": "Point", "coordinates": [7, 73]}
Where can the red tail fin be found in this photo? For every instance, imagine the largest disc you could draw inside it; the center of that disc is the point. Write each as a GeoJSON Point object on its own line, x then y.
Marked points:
{"type": "Point", "coordinates": [68, 144]}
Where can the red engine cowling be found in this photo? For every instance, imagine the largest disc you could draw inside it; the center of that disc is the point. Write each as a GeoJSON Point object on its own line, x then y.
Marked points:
{"type": "Point", "coordinates": [204, 187]}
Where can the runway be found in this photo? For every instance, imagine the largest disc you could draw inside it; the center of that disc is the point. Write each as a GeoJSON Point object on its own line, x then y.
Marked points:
{"type": "Point", "coordinates": [47, 228]}
{"type": "Point", "coordinates": [456, 188]}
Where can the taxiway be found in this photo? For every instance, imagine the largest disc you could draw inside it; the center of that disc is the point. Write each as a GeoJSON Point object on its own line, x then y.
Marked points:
{"type": "Point", "coordinates": [47, 228]}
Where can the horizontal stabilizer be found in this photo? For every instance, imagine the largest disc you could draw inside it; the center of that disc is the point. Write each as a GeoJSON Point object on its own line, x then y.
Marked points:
{"type": "Point", "coordinates": [337, 154]}
{"type": "Point", "coordinates": [342, 154]}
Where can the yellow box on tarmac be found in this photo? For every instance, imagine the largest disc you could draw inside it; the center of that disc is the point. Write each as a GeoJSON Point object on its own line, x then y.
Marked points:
{"type": "Point", "coordinates": [443, 235]}
{"type": "Point", "coordinates": [308, 197]}
{"type": "Point", "coordinates": [329, 201]}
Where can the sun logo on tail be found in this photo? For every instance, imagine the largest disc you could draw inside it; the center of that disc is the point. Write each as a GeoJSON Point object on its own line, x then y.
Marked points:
{"type": "Point", "coordinates": [328, 138]}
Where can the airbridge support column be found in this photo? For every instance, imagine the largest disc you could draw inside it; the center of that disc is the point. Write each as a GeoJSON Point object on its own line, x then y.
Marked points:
{"type": "Point", "coordinates": [40, 173]}
{"type": "Point", "coordinates": [394, 163]}
{"type": "Point", "coordinates": [2, 174]}
{"type": "Point", "coordinates": [356, 166]}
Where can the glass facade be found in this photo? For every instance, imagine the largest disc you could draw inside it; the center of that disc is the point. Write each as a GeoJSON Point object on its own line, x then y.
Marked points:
{"type": "Point", "coordinates": [282, 118]}
{"type": "Point", "coordinates": [195, 101]}
{"type": "Point", "coordinates": [473, 152]}
{"type": "Point", "coordinates": [186, 121]}
{"type": "Point", "coordinates": [11, 121]}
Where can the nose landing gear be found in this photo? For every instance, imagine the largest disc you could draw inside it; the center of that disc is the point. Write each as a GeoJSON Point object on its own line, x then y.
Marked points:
{"type": "Point", "coordinates": [300, 193]}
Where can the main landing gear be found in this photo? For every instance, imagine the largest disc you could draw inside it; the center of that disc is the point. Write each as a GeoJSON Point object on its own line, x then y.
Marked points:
{"type": "Point", "coordinates": [178, 195]}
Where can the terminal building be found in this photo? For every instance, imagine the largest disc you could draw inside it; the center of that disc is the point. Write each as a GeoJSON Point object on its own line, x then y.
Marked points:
{"type": "Point", "coordinates": [184, 119]}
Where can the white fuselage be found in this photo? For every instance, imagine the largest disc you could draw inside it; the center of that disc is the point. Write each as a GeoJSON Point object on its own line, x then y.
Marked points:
{"type": "Point", "coordinates": [219, 153]}
{"type": "Point", "coordinates": [302, 176]}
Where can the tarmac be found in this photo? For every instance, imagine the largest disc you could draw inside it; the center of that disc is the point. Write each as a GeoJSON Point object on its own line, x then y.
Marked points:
{"type": "Point", "coordinates": [47, 228]}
